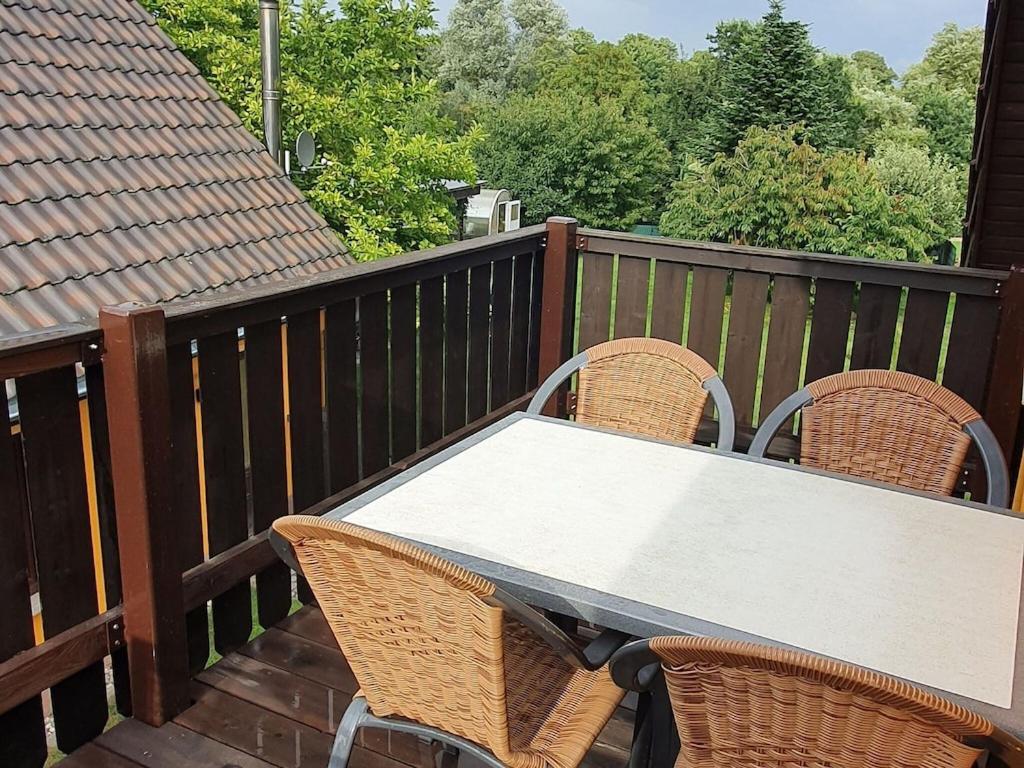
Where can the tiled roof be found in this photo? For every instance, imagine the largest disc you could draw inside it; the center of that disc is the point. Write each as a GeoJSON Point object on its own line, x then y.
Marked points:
{"type": "Point", "coordinates": [124, 177]}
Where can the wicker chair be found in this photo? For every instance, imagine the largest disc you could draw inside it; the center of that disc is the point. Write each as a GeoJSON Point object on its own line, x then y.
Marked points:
{"type": "Point", "coordinates": [645, 386]}
{"type": "Point", "coordinates": [891, 427]}
{"type": "Point", "coordinates": [740, 705]}
{"type": "Point", "coordinates": [442, 653]}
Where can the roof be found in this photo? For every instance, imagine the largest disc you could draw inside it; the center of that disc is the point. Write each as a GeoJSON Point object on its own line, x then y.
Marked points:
{"type": "Point", "coordinates": [123, 177]}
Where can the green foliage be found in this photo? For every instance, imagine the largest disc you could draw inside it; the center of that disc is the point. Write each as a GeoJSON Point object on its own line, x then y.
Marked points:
{"type": "Point", "coordinates": [946, 116]}
{"type": "Point", "coordinates": [572, 156]}
{"type": "Point", "coordinates": [601, 72]}
{"type": "Point", "coordinates": [351, 78]}
{"type": "Point", "coordinates": [953, 59]}
{"type": "Point", "coordinates": [476, 48]}
{"type": "Point", "coordinates": [875, 66]}
{"type": "Point", "coordinates": [771, 75]}
{"type": "Point", "coordinates": [913, 173]}
{"type": "Point", "coordinates": [777, 190]}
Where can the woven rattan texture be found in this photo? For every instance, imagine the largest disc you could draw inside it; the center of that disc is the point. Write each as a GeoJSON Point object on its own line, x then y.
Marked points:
{"type": "Point", "coordinates": [887, 426]}
{"type": "Point", "coordinates": [738, 704]}
{"type": "Point", "coordinates": [645, 386]}
{"type": "Point", "coordinates": [426, 643]}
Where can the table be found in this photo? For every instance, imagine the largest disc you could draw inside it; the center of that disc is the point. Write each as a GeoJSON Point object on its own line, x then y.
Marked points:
{"type": "Point", "coordinates": [656, 538]}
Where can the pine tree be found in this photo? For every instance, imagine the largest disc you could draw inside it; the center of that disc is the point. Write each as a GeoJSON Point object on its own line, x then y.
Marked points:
{"type": "Point", "coordinates": [773, 76]}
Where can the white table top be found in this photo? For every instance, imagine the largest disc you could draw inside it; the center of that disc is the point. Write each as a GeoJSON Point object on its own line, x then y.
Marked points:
{"type": "Point", "coordinates": [914, 586]}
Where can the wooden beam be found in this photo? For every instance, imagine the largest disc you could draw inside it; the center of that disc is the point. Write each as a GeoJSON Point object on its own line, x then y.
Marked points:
{"type": "Point", "coordinates": [1006, 381]}
{"type": "Point", "coordinates": [558, 303]}
{"type": "Point", "coordinates": [139, 419]}
{"type": "Point", "coordinates": [31, 672]}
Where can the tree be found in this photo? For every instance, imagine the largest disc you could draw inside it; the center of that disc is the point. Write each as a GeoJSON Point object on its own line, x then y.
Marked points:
{"type": "Point", "coordinates": [578, 157]}
{"type": "Point", "coordinates": [476, 48]}
{"type": "Point", "coordinates": [777, 190]}
{"type": "Point", "coordinates": [953, 59]}
{"type": "Point", "coordinates": [874, 64]}
{"type": "Point", "coordinates": [602, 72]}
{"type": "Point", "coordinates": [771, 75]}
{"type": "Point", "coordinates": [351, 79]}
{"type": "Point", "coordinates": [538, 23]}
{"type": "Point", "coordinates": [939, 186]}
{"type": "Point", "coordinates": [946, 116]}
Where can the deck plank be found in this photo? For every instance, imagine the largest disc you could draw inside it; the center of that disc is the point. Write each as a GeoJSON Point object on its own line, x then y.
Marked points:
{"type": "Point", "coordinates": [269, 736]}
{"type": "Point", "coordinates": [279, 691]}
{"type": "Point", "coordinates": [304, 658]}
{"type": "Point", "coordinates": [172, 746]}
{"type": "Point", "coordinates": [310, 623]}
{"type": "Point", "coordinates": [276, 702]}
{"type": "Point", "coordinates": [254, 730]}
{"type": "Point", "coordinates": [93, 756]}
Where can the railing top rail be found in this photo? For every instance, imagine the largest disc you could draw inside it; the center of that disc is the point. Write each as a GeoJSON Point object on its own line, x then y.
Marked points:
{"type": "Point", "coordinates": [213, 313]}
{"type": "Point", "coordinates": [985, 282]}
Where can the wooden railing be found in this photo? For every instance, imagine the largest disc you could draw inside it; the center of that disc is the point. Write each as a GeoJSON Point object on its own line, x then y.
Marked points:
{"type": "Point", "coordinates": [223, 415]}
{"type": "Point", "coordinates": [208, 419]}
{"type": "Point", "coordinates": [771, 321]}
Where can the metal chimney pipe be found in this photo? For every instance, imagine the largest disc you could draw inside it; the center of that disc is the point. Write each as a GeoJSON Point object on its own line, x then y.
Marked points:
{"type": "Point", "coordinates": [270, 55]}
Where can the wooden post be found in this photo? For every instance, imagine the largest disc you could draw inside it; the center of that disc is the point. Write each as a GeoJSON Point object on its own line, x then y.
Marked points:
{"type": "Point", "coordinates": [1006, 383]}
{"type": "Point", "coordinates": [558, 304]}
{"type": "Point", "coordinates": [135, 362]}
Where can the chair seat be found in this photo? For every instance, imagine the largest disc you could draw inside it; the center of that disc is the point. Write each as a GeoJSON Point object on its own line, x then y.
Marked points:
{"type": "Point", "coordinates": [555, 710]}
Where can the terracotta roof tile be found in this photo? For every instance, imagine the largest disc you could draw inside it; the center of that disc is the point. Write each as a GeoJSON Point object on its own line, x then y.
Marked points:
{"type": "Point", "coordinates": [124, 177]}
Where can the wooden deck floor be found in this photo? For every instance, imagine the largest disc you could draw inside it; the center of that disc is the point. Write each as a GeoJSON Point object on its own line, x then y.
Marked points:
{"type": "Point", "coordinates": [276, 702]}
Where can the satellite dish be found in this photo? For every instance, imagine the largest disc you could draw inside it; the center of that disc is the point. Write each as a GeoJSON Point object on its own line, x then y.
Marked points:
{"type": "Point", "coordinates": [305, 149]}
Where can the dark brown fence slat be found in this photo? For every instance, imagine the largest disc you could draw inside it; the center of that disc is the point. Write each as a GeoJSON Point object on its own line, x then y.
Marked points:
{"type": "Point", "coordinates": [99, 433]}
{"type": "Point", "coordinates": [706, 313]}
{"type": "Point", "coordinates": [631, 297]}
{"type": "Point", "coordinates": [22, 734]}
{"type": "Point", "coordinates": [743, 343]}
{"type": "Point", "coordinates": [432, 336]}
{"type": "Point", "coordinates": [669, 305]}
{"type": "Point", "coordinates": [305, 410]}
{"type": "Point", "coordinates": [455, 355]}
{"type": "Point", "coordinates": [971, 341]}
{"type": "Point", "coordinates": [536, 303]}
{"type": "Point", "coordinates": [786, 332]}
{"type": "Point", "coordinates": [830, 328]}
{"type": "Point", "coordinates": [479, 340]}
{"type": "Point", "coordinates": [596, 299]}
{"type": "Point", "coordinates": [224, 468]}
{"type": "Point", "coordinates": [520, 346]}
{"type": "Point", "coordinates": [923, 326]}
{"type": "Point", "coordinates": [501, 311]}
{"type": "Point", "coordinates": [968, 361]}
{"type": "Point", "coordinates": [373, 355]}
{"type": "Point", "coordinates": [264, 387]}
{"type": "Point", "coordinates": [403, 370]}
{"type": "Point", "coordinates": [55, 468]}
{"type": "Point", "coordinates": [877, 311]}
{"type": "Point", "coordinates": [187, 502]}
{"type": "Point", "coordinates": [342, 394]}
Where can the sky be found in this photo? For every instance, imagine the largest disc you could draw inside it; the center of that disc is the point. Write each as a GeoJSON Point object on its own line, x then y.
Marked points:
{"type": "Point", "coordinates": [898, 29]}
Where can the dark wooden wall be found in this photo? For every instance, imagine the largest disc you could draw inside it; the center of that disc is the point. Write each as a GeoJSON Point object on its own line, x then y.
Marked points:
{"type": "Point", "coordinates": [994, 231]}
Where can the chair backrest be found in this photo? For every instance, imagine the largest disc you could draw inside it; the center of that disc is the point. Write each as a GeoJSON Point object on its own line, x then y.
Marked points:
{"type": "Point", "coordinates": [888, 426]}
{"type": "Point", "coordinates": [418, 631]}
{"type": "Point", "coordinates": [645, 386]}
{"type": "Point", "coordinates": [738, 704]}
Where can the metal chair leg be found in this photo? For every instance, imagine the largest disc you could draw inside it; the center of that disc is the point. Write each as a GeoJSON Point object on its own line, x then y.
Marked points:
{"type": "Point", "coordinates": [464, 746]}
{"type": "Point", "coordinates": [355, 717]}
